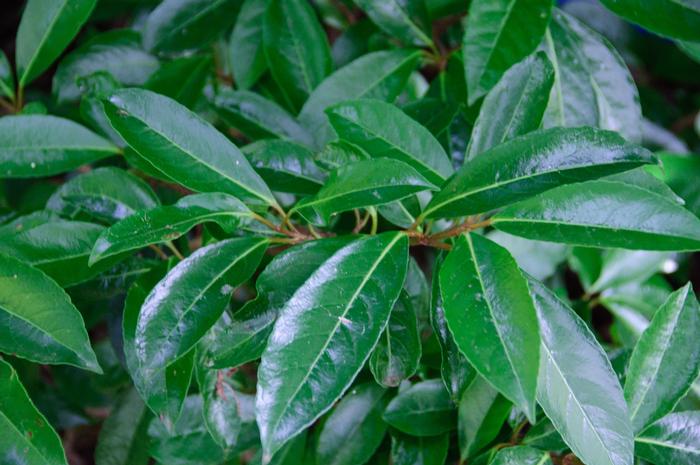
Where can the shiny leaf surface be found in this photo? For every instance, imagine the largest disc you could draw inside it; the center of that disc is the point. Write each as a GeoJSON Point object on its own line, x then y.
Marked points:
{"type": "Point", "coordinates": [245, 46]}
{"type": "Point", "coordinates": [676, 18]}
{"type": "Point", "coordinates": [403, 19]}
{"type": "Point", "coordinates": [673, 439]}
{"type": "Point", "coordinates": [424, 409]}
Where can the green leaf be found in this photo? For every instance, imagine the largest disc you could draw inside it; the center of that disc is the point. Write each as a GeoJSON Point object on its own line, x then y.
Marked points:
{"type": "Point", "coordinates": [433, 114]}
{"type": "Point", "coordinates": [499, 34]}
{"type": "Point", "coordinates": [246, 336]}
{"type": "Point", "coordinates": [46, 29]}
{"type": "Point", "coordinates": [301, 377]}
{"type": "Point", "coordinates": [178, 25]}
{"type": "Point", "coordinates": [379, 75]}
{"type": "Point", "coordinates": [382, 130]}
{"type": "Point", "coordinates": [396, 356]}
{"type": "Point", "coordinates": [424, 409]}
{"type": "Point", "coordinates": [534, 163]}
{"type": "Point", "coordinates": [544, 435]}
{"type": "Point", "coordinates": [482, 412]}
{"type": "Point", "coordinates": [521, 455]}
{"type": "Point", "coordinates": [514, 106]}
{"type": "Point", "coordinates": [620, 267]}
{"type": "Point", "coordinates": [7, 78]}
{"type": "Point", "coordinates": [405, 20]}
{"type": "Point", "coordinates": [117, 52]}
{"type": "Point", "coordinates": [104, 194]}
{"type": "Point", "coordinates": [540, 259]}
{"type": "Point", "coordinates": [39, 322]}
{"type": "Point", "coordinates": [163, 224]}
{"type": "Point", "coordinates": [296, 49]}
{"type": "Point", "coordinates": [593, 86]}
{"type": "Point", "coordinates": [245, 45]}
{"type": "Point", "coordinates": [191, 298]}
{"type": "Point", "coordinates": [182, 79]}
{"type": "Point", "coordinates": [41, 145]}
{"type": "Point", "coordinates": [257, 117]}
{"type": "Point", "coordinates": [366, 183]}
{"type": "Point", "coordinates": [665, 361]}
{"type": "Point", "coordinates": [183, 146]}
{"type": "Point", "coordinates": [339, 153]}
{"type": "Point", "coordinates": [354, 429]}
{"type": "Point", "coordinates": [286, 166]}
{"type": "Point", "coordinates": [642, 178]}
{"type": "Point", "coordinates": [574, 214]}
{"type": "Point", "coordinates": [480, 282]}
{"type": "Point", "coordinates": [58, 248]}
{"type": "Point", "coordinates": [122, 439]}
{"type": "Point", "coordinates": [679, 19]}
{"type": "Point", "coordinates": [577, 387]}
{"type": "Point", "coordinates": [673, 439]}
{"type": "Point", "coordinates": [679, 172]}
{"type": "Point", "coordinates": [28, 437]}
{"type": "Point", "coordinates": [25, 222]}
{"type": "Point", "coordinates": [424, 450]}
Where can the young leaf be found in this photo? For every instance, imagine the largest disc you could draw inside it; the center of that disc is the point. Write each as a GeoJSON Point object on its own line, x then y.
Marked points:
{"type": "Point", "coordinates": [162, 224]}
{"type": "Point", "coordinates": [354, 429]}
{"type": "Point", "coordinates": [379, 75]}
{"type": "Point", "coordinates": [168, 80]}
{"type": "Point", "coordinates": [258, 117]}
{"type": "Point", "coordinates": [678, 19]}
{"type": "Point", "coordinates": [245, 45]}
{"type": "Point", "coordinates": [422, 450]}
{"type": "Point", "coordinates": [514, 106]}
{"type": "Point", "coordinates": [183, 146]}
{"type": "Point", "coordinates": [116, 52]}
{"type": "Point", "coordinates": [366, 183]}
{"type": "Point", "coordinates": [382, 130]}
{"type": "Point", "coordinates": [28, 437]}
{"type": "Point", "coordinates": [41, 145]}
{"type": "Point", "coordinates": [499, 34]}
{"type": "Point", "coordinates": [424, 409]}
{"type": "Point", "coordinates": [666, 360]}
{"type": "Point", "coordinates": [673, 439]}
{"type": "Point", "coordinates": [296, 49]}
{"type": "Point", "coordinates": [191, 298]}
{"type": "Point", "coordinates": [396, 356]}
{"type": "Point", "coordinates": [521, 455]}
{"type": "Point", "coordinates": [406, 20]}
{"type": "Point", "coordinates": [39, 322]}
{"type": "Point", "coordinates": [580, 214]}
{"type": "Point", "coordinates": [534, 163]}
{"type": "Point", "coordinates": [489, 311]}
{"type": "Point", "coordinates": [301, 377]}
{"type": "Point", "coordinates": [179, 25]}
{"type": "Point", "coordinates": [577, 387]}
{"type": "Point", "coordinates": [46, 29]}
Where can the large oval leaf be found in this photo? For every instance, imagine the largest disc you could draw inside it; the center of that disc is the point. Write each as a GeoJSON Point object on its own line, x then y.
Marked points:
{"type": "Point", "coordinates": [183, 146]}
{"type": "Point", "coordinates": [27, 438]}
{"type": "Point", "coordinates": [42, 145]}
{"type": "Point", "coordinates": [489, 311]}
{"type": "Point", "coordinates": [341, 310]}
{"type": "Point", "coordinates": [666, 360]}
{"type": "Point", "coordinates": [245, 46]}
{"type": "Point", "coordinates": [382, 130]}
{"type": "Point", "coordinates": [534, 163]}
{"type": "Point", "coordinates": [673, 439]}
{"type": "Point", "coordinates": [577, 387]}
{"type": "Point", "coordinates": [603, 214]}
{"type": "Point", "coordinates": [38, 321]}
{"type": "Point", "coordinates": [424, 409]}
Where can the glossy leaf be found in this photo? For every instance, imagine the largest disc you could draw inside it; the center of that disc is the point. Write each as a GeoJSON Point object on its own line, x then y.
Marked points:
{"type": "Point", "coordinates": [296, 49]}
{"type": "Point", "coordinates": [673, 439]}
{"type": "Point", "coordinates": [666, 360]}
{"type": "Point", "coordinates": [183, 146]}
{"type": "Point", "coordinates": [406, 20]}
{"type": "Point", "coordinates": [39, 322]}
{"type": "Point", "coordinates": [163, 224]}
{"type": "Point", "coordinates": [396, 356]}
{"type": "Point", "coordinates": [354, 429]}
{"type": "Point", "coordinates": [480, 282]}
{"type": "Point", "coordinates": [424, 409]}
{"type": "Point", "coordinates": [521, 455]}
{"type": "Point", "coordinates": [344, 312]}
{"type": "Point", "coordinates": [379, 75]}
{"type": "Point", "coordinates": [177, 25]}
{"type": "Point", "coordinates": [498, 35]}
{"type": "Point", "coordinates": [169, 81]}
{"type": "Point", "coordinates": [27, 437]}
{"type": "Point", "coordinates": [572, 214]}
{"type": "Point", "coordinates": [537, 258]}
{"type": "Point", "coordinates": [384, 131]}
{"type": "Point", "coordinates": [46, 29]}
{"type": "Point", "coordinates": [258, 117]}
{"type": "Point", "coordinates": [423, 450]}
{"type": "Point", "coordinates": [577, 388]}
{"type": "Point", "coordinates": [245, 46]}
{"type": "Point", "coordinates": [676, 18]}
{"type": "Point", "coordinates": [619, 267]}
{"type": "Point", "coordinates": [515, 106]}
{"type": "Point", "coordinates": [123, 439]}
{"type": "Point", "coordinates": [534, 163]}
{"type": "Point", "coordinates": [41, 145]}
